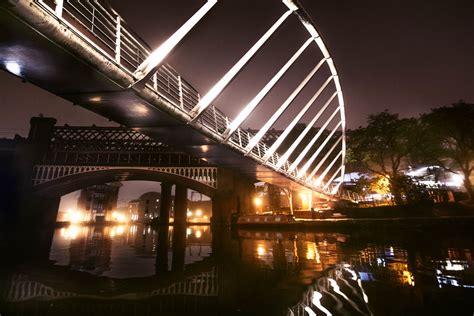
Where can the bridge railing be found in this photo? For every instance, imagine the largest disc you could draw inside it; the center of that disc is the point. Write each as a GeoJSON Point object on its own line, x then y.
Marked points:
{"type": "Point", "coordinates": [96, 22]}
{"type": "Point", "coordinates": [119, 146]}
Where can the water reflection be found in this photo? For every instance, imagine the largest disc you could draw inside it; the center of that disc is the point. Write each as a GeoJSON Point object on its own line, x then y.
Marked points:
{"type": "Point", "coordinates": [125, 251]}
{"type": "Point", "coordinates": [125, 268]}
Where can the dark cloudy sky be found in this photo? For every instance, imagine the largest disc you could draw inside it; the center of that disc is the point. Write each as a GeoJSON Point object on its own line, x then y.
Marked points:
{"type": "Point", "coordinates": [405, 56]}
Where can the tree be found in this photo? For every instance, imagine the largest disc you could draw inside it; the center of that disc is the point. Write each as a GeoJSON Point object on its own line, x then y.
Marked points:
{"type": "Point", "coordinates": [451, 132]}
{"type": "Point", "coordinates": [385, 147]}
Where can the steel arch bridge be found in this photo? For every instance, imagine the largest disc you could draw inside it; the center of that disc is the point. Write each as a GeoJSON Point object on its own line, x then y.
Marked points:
{"type": "Point", "coordinates": [76, 154]}
{"type": "Point", "coordinates": [141, 89]}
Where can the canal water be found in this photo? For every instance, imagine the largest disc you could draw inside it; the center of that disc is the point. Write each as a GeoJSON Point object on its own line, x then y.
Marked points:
{"type": "Point", "coordinates": [196, 270]}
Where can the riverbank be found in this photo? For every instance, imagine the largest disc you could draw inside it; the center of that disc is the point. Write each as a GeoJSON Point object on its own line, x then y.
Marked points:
{"type": "Point", "coordinates": [407, 211]}
{"type": "Point", "coordinates": [452, 214]}
{"type": "Point", "coordinates": [360, 223]}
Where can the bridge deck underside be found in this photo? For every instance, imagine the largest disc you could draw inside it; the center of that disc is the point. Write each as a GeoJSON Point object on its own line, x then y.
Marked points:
{"type": "Point", "coordinates": [101, 87]}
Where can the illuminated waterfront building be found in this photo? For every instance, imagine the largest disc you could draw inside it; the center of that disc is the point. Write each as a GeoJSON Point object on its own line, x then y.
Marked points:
{"type": "Point", "coordinates": [97, 200]}
{"type": "Point", "coordinates": [146, 207]}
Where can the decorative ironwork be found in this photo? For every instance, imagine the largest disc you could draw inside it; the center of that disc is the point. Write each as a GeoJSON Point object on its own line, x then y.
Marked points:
{"type": "Point", "coordinates": [46, 173]}
{"type": "Point", "coordinates": [23, 289]}
{"type": "Point", "coordinates": [112, 146]}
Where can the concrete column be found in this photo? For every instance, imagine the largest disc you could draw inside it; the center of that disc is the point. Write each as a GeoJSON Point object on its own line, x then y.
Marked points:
{"type": "Point", "coordinates": [30, 152]}
{"type": "Point", "coordinates": [245, 191]}
{"type": "Point", "coordinates": [38, 222]}
{"type": "Point", "coordinates": [296, 200]}
{"type": "Point", "coordinates": [234, 196]}
{"type": "Point", "coordinates": [162, 250]}
{"type": "Point", "coordinates": [165, 204]}
{"type": "Point", "coordinates": [274, 197]}
{"type": "Point", "coordinates": [41, 129]}
{"type": "Point", "coordinates": [180, 204]}
{"type": "Point", "coordinates": [179, 247]}
{"type": "Point", "coordinates": [224, 204]}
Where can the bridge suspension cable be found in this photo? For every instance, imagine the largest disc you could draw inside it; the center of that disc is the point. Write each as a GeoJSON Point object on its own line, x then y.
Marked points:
{"type": "Point", "coordinates": [322, 161]}
{"type": "Point", "coordinates": [310, 161]}
{"type": "Point", "coordinates": [156, 58]}
{"type": "Point", "coordinates": [244, 114]}
{"type": "Point", "coordinates": [295, 144]}
{"type": "Point", "coordinates": [254, 141]}
{"type": "Point", "coordinates": [293, 123]}
{"type": "Point", "coordinates": [224, 81]}
{"type": "Point", "coordinates": [312, 141]}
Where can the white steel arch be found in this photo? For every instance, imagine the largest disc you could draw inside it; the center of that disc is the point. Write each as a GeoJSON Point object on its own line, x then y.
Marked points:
{"type": "Point", "coordinates": [269, 156]}
{"type": "Point", "coordinates": [199, 111]}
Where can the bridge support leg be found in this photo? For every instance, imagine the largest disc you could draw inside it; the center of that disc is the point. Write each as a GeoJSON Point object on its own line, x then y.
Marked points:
{"type": "Point", "coordinates": [223, 205]}
{"type": "Point", "coordinates": [180, 204]}
{"type": "Point", "coordinates": [245, 192]}
{"type": "Point", "coordinates": [179, 248]}
{"type": "Point", "coordinates": [36, 227]}
{"type": "Point", "coordinates": [296, 201]}
{"type": "Point", "coordinates": [165, 204]}
{"type": "Point", "coordinates": [274, 197]}
{"type": "Point", "coordinates": [162, 250]}
{"type": "Point", "coordinates": [234, 196]}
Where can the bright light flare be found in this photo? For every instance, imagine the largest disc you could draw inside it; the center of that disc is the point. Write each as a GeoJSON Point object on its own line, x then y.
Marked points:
{"type": "Point", "coordinates": [74, 216]}
{"type": "Point", "coordinates": [261, 250]}
{"type": "Point", "coordinates": [70, 232]}
{"type": "Point", "coordinates": [140, 109]}
{"type": "Point", "coordinates": [119, 217]}
{"type": "Point", "coordinates": [310, 251]}
{"type": "Point", "coordinates": [13, 67]}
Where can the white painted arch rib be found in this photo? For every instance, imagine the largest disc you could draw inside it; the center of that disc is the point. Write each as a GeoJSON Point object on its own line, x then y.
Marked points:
{"type": "Point", "coordinates": [254, 141]}
{"type": "Point", "coordinates": [217, 89]}
{"type": "Point", "coordinates": [157, 57]}
{"type": "Point", "coordinates": [310, 27]}
{"type": "Point", "coordinates": [244, 114]}
{"type": "Point", "coordinates": [295, 8]}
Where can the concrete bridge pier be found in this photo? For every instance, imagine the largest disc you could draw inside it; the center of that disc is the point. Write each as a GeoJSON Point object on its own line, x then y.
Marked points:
{"type": "Point", "coordinates": [22, 160]}
{"type": "Point", "coordinates": [234, 196]}
{"type": "Point", "coordinates": [33, 217]}
{"type": "Point", "coordinates": [165, 205]}
{"type": "Point", "coordinates": [162, 250]}
{"type": "Point", "coordinates": [179, 248]}
{"type": "Point", "coordinates": [274, 197]}
{"type": "Point", "coordinates": [35, 229]}
{"type": "Point", "coordinates": [180, 204]}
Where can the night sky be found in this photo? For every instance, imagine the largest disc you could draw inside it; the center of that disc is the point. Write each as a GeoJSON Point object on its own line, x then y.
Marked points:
{"type": "Point", "coordinates": [405, 56]}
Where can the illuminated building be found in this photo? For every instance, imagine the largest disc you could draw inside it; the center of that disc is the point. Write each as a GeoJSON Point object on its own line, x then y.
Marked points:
{"type": "Point", "coordinates": [145, 208]}
{"type": "Point", "coordinates": [98, 200]}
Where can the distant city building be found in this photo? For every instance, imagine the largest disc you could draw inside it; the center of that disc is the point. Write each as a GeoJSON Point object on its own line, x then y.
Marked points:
{"type": "Point", "coordinates": [146, 207]}
{"type": "Point", "coordinates": [98, 201]}
{"type": "Point", "coordinates": [133, 207]}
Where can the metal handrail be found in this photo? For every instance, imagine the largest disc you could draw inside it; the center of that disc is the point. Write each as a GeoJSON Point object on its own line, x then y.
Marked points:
{"type": "Point", "coordinates": [120, 44]}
